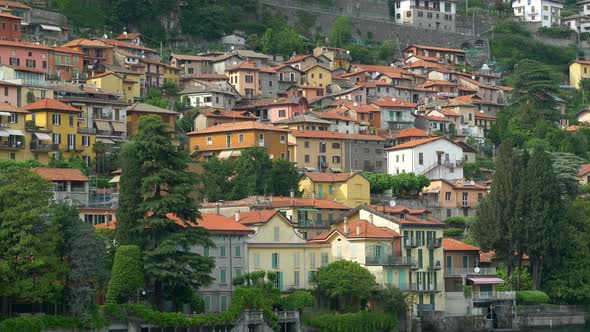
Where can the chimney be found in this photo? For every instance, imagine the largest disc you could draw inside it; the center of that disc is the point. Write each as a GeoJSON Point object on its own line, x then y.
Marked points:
{"type": "Point", "coordinates": [292, 193]}
{"type": "Point", "coordinates": [237, 215]}
{"type": "Point", "coordinates": [371, 218]}
{"type": "Point", "coordinates": [217, 207]}
{"type": "Point", "coordinates": [345, 226]}
{"type": "Point", "coordinates": [358, 229]}
{"type": "Point", "coordinates": [313, 194]}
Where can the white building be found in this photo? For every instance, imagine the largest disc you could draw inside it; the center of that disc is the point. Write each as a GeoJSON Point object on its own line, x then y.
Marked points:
{"type": "Point", "coordinates": [579, 22]}
{"type": "Point", "coordinates": [439, 15]}
{"type": "Point", "coordinates": [545, 12]}
{"type": "Point", "coordinates": [233, 40]}
{"type": "Point", "coordinates": [434, 157]}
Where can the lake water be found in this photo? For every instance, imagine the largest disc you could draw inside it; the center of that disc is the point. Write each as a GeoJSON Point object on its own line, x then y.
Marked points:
{"type": "Point", "coordinates": [562, 329]}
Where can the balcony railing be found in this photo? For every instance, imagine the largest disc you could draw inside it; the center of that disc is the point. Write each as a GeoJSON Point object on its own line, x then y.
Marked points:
{"type": "Point", "coordinates": [425, 307]}
{"type": "Point", "coordinates": [387, 260]}
{"type": "Point", "coordinates": [86, 131]}
{"type": "Point", "coordinates": [43, 147]}
{"type": "Point", "coordinates": [483, 271]}
{"type": "Point", "coordinates": [421, 288]}
{"type": "Point", "coordinates": [435, 243]}
{"type": "Point", "coordinates": [494, 296]}
{"type": "Point", "coordinates": [11, 145]}
{"type": "Point", "coordinates": [436, 266]}
{"type": "Point", "coordinates": [412, 242]}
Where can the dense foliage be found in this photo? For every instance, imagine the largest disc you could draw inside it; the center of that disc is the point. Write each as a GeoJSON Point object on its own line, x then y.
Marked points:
{"type": "Point", "coordinates": [353, 322]}
{"type": "Point", "coordinates": [401, 185]}
{"type": "Point", "coordinates": [38, 323]}
{"type": "Point", "coordinates": [531, 297]}
{"type": "Point", "coordinates": [127, 275]}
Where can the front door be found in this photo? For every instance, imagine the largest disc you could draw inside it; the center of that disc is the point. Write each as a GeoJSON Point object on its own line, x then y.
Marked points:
{"type": "Point", "coordinates": [320, 191]}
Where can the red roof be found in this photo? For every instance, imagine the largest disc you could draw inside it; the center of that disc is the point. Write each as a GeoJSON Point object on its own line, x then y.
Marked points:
{"type": "Point", "coordinates": [436, 48]}
{"type": "Point", "coordinates": [246, 64]}
{"type": "Point", "coordinates": [86, 43]}
{"type": "Point", "coordinates": [256, 217]}
{"type": "Point", "coordinates": [485, 115]}
{"type": "Point", "coordinates": [299, 57]}
{"type": "Point", "coordinates": [450, 244]}
{"type": "Point", "coordinates": [24, 45]}
{"type": "Point", "coordinates": [237, 126]}
{"type": "Point", "coordinates": [334, 135]}
{"type": "Point", "coordinates": [359, 108]}
{"type": "Point", "coordinates": [435, 118]}
{"type": "Point", "coordinates": [307, 202]}
{"type": "Point", "coordinates": [393, 102]}
{"type": "Point", "coordinates": [584, 169]}
{"type": "Point", "coordinates": [212, 222]}
{"type": "Point", "coordinates": [411, 132]}
{"type": "Point", "coordinates": [12, 109]}
{"type": "Point", "coordinates": [123, 44]}
{"type": "Point", "coordinates": [572, 128]}
{"type": "Point", "coordinates": [334, 115]}
{"type": "Point", "coordinates": [201, 76]}
{"type": "Point", "coordinates": [10, 16]}
{"type": "Point", "coordinates": [359, 229]}
{"type": "Point", "coordinates": [425, 64]}
{"type": "Point", "coordinates": [330, 177]}
{"type": "Point", "coordinates": [14, 4]}
{"type": "Point", "coordinates": [412, 217]}
{"type": "Point", "coordinates": [215, 113]}
{"type": "Point", "coordinates": [128, 36]}
{"type": "Point", "coordinates": [60, 174]}
{"type": "Point", "coordinates": [486, 257]}
{"type": "Point", "coordinates": [50, 104]}
{"type": "Point", "coordinates": [412, 144]}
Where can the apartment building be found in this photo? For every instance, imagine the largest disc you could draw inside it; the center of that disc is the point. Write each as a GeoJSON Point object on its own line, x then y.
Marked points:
{"type": "Point", "coordinates": [13, 136]}
{"type": "Point", "coordinates": [351, 189]}
{"type": "Point", "coordinates": [70, 186]}
{"type": "Point", "coordinates": [546, 13]}
{"type": "Point", "coordinates": [454, 198]}
{"type": "Point", "coordinates": [135, 111]}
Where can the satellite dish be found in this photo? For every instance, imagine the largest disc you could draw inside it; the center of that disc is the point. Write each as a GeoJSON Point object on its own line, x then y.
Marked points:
{"type": "Point", "coordinates": [477, 269]}
{"type": "Point", "coordinates": [392, 203]}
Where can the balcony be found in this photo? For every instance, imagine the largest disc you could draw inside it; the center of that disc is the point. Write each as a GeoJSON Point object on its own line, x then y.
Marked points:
{"type": "Point", "coordinates": [435, 243]}
{"type": "Point", "coordinates": [388, 260]}
{"type": "Point", "coordinates": [6, 145]}
{"type": "Point", "coordinates": [412, 243]}
{"type": "Point", "coordinates": [470, 271]}
{"type": "Point", "coordinates": [75, 148]}
{"type": "Point", "coordinates": [425, 307]}
{"type": "Point", "coordinates": [420, 288]}
{"type": "Point", "coordinates": [490, 296]}
{"type": "Point", "coordinates": [435, 267]}
{"type": "Point", "coordinates": [36, 147]}
{"type": "Point", "coordinates": [86, 131]}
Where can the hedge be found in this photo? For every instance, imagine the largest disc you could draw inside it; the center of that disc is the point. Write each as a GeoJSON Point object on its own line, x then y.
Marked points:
{"type": "Point", "coordinates": [352, 322]}
{"type": "Point", "coordinates": [532, 297]}
{"type": "Point", "coordinates": [127, 275]}
{"type": "Point", "coordinates": [450, 232]}
{"type": "Point", "coordinates": [38, 323]}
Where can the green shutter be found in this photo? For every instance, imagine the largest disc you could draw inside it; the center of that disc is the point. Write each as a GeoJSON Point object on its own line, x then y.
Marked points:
{"type": "Point", "coordinates": [389, 277]}
{"type": "Point", "coordinates": [420, 258]}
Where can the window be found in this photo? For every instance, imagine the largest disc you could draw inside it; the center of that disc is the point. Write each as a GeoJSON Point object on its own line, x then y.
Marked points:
{"type": "Point", "coordinates": [85, 140]}
{"type": "Point", "coordinates": [324, 259]}
{"type": "Point", "coordinates": [13, 118]}
{"type": "Point", "coordinates": [420, 258]}
{"type": "Point", "coordinates": [295, 278]}
{"type": "Point", "coordinates": [336, 159]}
{"type": "Point", "coordinates": [447, 196]}
{"type": "Point", "coordinates": [238, 251]}
{"type": "Point", "coordinates": [479, 197]}
{"type": "Point", "coordinates": [44, 64]}
{"type": "Point", "coordinates": [335, 145]}
{"type": "Point", "coordinates": [306, 144]}
{"type": "Point", "coordinates": [296, 260]}
{"type": "Point", "coordinates": [282, 113]}
{"type": "Point", "coordinates": [465, 199]}
{"type": "Point", "coordinates": [321, 75]}
{"type": "Point", "coordinates": [209, 140]}
{"type": "Point", "coordinates": [447, 7]}
{"type": "Point", "coordinates": [71, 120]}
{"type": "Point", "coordinates": [261, 139]}
{"type": "Point", "coordinates": [14, 62]}
{"type": "Point", "coordinates": [312, 260]}
{"type": "Point", "coordinates": [322, 147]}
{"type": "Point", "coordinates": [275, 260]}
{"type": "Point", "coordinates": [277, 231]}
{"type": "Point", "coordinates": [256, 260]}
{"type": "Point", "coordinates": [283, 156]}
{"type": "Point", "coordinates": [207, 300]}
{"type": "Point", "coordinates": [56, 119]}
{"type": "Point", "coordinates": [5, 91]}
{"type": "Point", "coordinates": [221, 251]}
{"type": "Point", "coordinates": [420, 158]}
{"type": "Point", "coordinates": [283, 139]}
{"type": "Point", "coordinates": [306, 158]}
{"type": "Point", "coordinates": [249, 79]}
{"type": "Point", "coordinates": [206, 251]}
{"type": "Point", "coordinates": [397, 4]}
{"type": "Point", "coordinates": [241, 138]}
{"type": "Point", "coordinates": [237, 272]}
{"type": "Point", "coordinates": [222, 276]}
{"type": "Point", "coordinates": [223, 303]}
{"type": "Point", "coordinates": [30, 63]}
{"type": "Point", "coordinates": [56, 138]}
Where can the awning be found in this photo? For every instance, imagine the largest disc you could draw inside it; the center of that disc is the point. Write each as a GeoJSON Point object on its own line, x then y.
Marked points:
{"type": "Point", "coordinates": [4, 114]}
{"type": "Point", "coordinates": [4, 133]}
{"type": "Point", "coordinates": [102, 125]}
{"type": "Point", "coordinates": [432, 192]}
{"type": "Point", "coordinates": [309, 210]}
{"type": "Point", "coordinates": [486, 281]}
{"type": "Point", "coordinates": [119, 126]}
{"type": "Point", "coordinates": [206, 154]}
{"type": "Point", "coordinates": [104, 140]}
{"type": "Point", "coordinates": [15, 132]}
{"type": "Point", "coordinates": [50, 28]}
{"type": "Point", "coordinates": [115, 179]}
{"type": "Point", "coordinates": [336, 170]}
{"type": "Point", "coordinates": [43, 137]}
{"type": "Point", "coordinates": [225, 154]}
{"type": "Point", "coordinates": [236, 153]}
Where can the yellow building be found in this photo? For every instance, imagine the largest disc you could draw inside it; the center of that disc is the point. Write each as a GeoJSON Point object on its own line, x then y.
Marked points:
{"type": "Point", "coordinates": [13, 136]}
{"type": "Point", "coordinates": [125, 84]}
{"type": "Point", "coordinates": [277, 246]}
{"type": "Point", "coordinates": [351, 189]}
{"type": "Point", "coordinates": [60, 122]}
{"type": "Point", "coordinates": [318, 75]}
{"type": "Point", "coordinates": [172, 74]}
{"type": "Point", "coordinates": [339, 57]}
{"type": "Point", "coordinates": [579, 70]}
{"type": "Point", "coordinates": [421, 244]}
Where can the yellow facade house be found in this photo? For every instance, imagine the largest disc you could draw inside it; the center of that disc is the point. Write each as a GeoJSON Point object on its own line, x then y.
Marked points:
{"type": "Point", "coordinates": [351, 189]}
{"type": "Point", "coordinates": [13, 136]}
{"type": "Point", "coordinates": [421, 245]}
{"type": "Point", "coordinates": [579, 70]}
{"type": "Point", "coordinates": [278, 246]}
{"type": "Point", "coordinates": [60, 122]}
{"type": "Point", "coordinates": [319, 76]}
{"type": "Point", "coordinates": [125, 84]}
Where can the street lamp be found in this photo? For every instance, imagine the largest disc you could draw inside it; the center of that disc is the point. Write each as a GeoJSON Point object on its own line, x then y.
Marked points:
{"type": "Point", "coordinates": [142, 291]}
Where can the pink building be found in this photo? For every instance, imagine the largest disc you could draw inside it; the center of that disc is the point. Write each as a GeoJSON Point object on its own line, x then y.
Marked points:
{"type": "Point", "coordinates": [276, 109]}
{"type": "Point", "coordinates": [9, 93]}
{"type": "Point", "coordinates": [25, 55]}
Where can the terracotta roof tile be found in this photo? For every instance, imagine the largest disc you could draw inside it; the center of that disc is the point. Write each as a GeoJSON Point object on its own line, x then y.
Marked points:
{"type": "Point", "coordinates": [24, 45]}
{"type": "Point", "coordinates": [359, 229]}
{"type": "Point", "coordinates": [118, 43]}
{"type": "Point", "coordinates": [425, 64]}
{"type": "Point", "coordinates": [246, 64]}
{"type": "Point", "coordinates": [414, 143]}
{"type": "Point", "coordinates": [4, 107]}
{"type": "Point", "coordinates": [450, 244]}
{"type": "Point", "coordinates": [334, 115]}
{"type": "Point", "coordinates": [359, 108]}
{"type": "Point", "coordinates": [412, 217]}
{"type": "Point", "coordinates": [572, 128]}
{"type": "Point", "coordinates": [221, 77]}
{"type": "Point", "coordinates": [435, 118]}
{"type": "Point", "coordinates": [60, 174]}
{"type": "Point", "coordinates": [256, 217]}
{"type": "Point", "coordinates": [128, 36]}
{"type": "Point", "coordinates": [584, 169]}
{"type": "Point", "coordinates": [393, 102]}
{"type": "Point", "coordinates": [50, 104]}
{"type": "Point", "coordinates": [215, 113]}
{"type": "Point", "coordinates": [334, 135]}
{"type": "Point", "coordinates": [411, 132]}
{"type": "Point", "coordinates": [86, 43]}
{"type": "Point", "coordinates": [307, 202]}
{"type": "Point", "coordinates": [485, 115]}
{"type": "Point", "coordinates": [299, 57]}
{"type": "Point", "coordinates": [238, 126]}
{"type": "Point", "coordinates": [210, 221]}
{"type": "Point", "coordinates": [330, 177]}
{"type": "Point", "coordinates": [436, 48]}
{"type": "Point", "coordinates": [14, 4]}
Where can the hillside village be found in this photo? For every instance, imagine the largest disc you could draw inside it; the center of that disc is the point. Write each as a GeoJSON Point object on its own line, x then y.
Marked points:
{"type": "Point", "coordinates": [237, 189]}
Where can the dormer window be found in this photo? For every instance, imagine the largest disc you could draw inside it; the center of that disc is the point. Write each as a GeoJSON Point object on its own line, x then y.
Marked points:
{"type": "Point", "coordinates": [402, 216]}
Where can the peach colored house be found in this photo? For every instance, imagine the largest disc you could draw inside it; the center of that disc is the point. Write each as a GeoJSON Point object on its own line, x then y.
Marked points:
{"type": "Point", "coordinates": [245, 77]}
{"type": "Point", "coordinates": [276, 109]}
{"type": "Point", "coordinates": [9, 93]}
{"type": "Point", "coordinates": [66, 63]}
{"type": "Point", "coordinates": [10, 27]}
{"type": "Point", "coordinates": [308, 91]}
{"type": "Point", "coordinates": [25, 55]}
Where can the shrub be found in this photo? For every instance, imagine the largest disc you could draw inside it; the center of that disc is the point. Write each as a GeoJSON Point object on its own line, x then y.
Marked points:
{"type": "Point", "coordinates": [532, 297]}
{"type": "Point", "coordinates": [450, 232]}
{"type": "Point", "coordinates": [358, 322]}
{"type": "Point", "coordinates": [456, 221]}
{"type": "Point", "coordinates": [298, 300]}
{"type": "Point", "coordinates": [127, 275]}
{"type": "Point", "coordinates": [38, 323]}
{"type": "Point", "coordinates": [467, 291]}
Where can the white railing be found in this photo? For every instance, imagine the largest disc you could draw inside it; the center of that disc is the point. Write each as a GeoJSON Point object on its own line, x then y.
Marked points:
{"type": "Point", "coordinates": [494, 295]}
{"type": "Point", "coordinates": [483, 271]}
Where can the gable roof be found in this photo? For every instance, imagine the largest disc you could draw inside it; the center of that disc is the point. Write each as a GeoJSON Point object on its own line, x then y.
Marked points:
{"type": "Point", "coordinates": [436, 48]}
{"type": "Point", "coordinates": [60, 174]}
{"type": "Point", "coordinates": [256, 217]}
{"type": "Point", "coordinates": [216, 113]}
{"type": "Point", "coordinates": [83, 42]}
{"type": "Point", "coordinates": [358, 229]}
{"type": "Point", "coordinates": [411, 132]}
{"type": "Point", "coordinates": [330, 177]}
{"type": "Point", "coordinates": [450, 244]}
{"type": "Point", "coordinates": [584, 169]}
{"type": "Point", "coordinates": [147, 108]}
{"type": "Point", "coordinates": [393, 102]}
{"type": "Point", "coordinates": [14, 4]}
{"type": "Point", "coordinates": [236, 126]}
{"type": "Point", "coordinates": [335, 135]}
{"type": "Point", "coordinates": [392, 214]}
{"type": "Point", "coordinates": [50, 104]}
{"type": "Point", "coordinates": [128, 36]}
{"type": "Point", "coordinates": [415, 143]}
{"type": "Point", "coordinates": [119, 43]}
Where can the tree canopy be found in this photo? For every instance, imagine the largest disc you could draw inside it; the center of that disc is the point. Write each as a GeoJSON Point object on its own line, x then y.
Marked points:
{"type": "Point", "coordinates": [341, 31]}
{"type": "Point", "coordinates": [345, 281]}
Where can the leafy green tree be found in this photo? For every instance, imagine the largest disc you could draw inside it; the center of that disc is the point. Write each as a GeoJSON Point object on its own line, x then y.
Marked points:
{"type": "Point", "coordinates": [216, 183]}
{"type": "Point", "coordinates": [127, 275]}
{"type": "Point", "coordinates": [154, 97]}
{"type": "Point", "coordinates": [298, 300]}
{"type": "Point", "coordinates": [170, 88]}
{"type": "Point", "coordinates": [30, 238]}
{"type": "Point", "coordinates": [165, 188]}
{"type": "Point", "coordinates": [251, 173]}
{"type": "Point", "coordinates": [284, 177]}
{"type": "Point", "coordinates": [362, 54]}
{"type": "Point", "coordinates": [341, 31]}
{"type": "Point", "coordinates": [387, 50]}
{"type": "Point", "coordinates": [129, 226]}
{"type": "Point", "coordinates": [392, 300]}
{"type": "Point", "coordinates": [407, 184]}
{"type": "Point", "coordinates": [284, 41]}
{"type": "Point", "coordinates": [345, 281]}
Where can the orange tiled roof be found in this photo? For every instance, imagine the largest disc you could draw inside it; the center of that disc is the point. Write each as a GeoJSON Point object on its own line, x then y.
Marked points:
{"type": "Point", "coordinates": [215, 113]}
{"type": "Point", "coordinates": [389, 71]}
{"type": "Point", "coordinates": [435, 118]}
{"type": "Point", "coordinates": [12, 109]}
{"type": "Point", "coordinates": [425, 64]}
{"type": "Point", "coordinates": [204, 77]}
{"type": "Point", "coordinates": [450, 244]}
{"type": "Point", "coordinates": [446, 112]}
{"type": "Point", "coordinates": [299, 57]}
{"type": "Point", "coordinates": [485, 257]}
{"type": "Point", "coordinates": [237, 126]}
{"type": "Point", "coordinates": [485, 115]}
{"type": "Point", "coordinates": [10, 16]}
{"type": "Point", "coordinates": [66, 50]}
{"type": "Point", "coordinates": [212, 222]}
{"type": "Point", "coordinates": [118, 43]}
{"type": "Point", "coordinates": [334, 115]}
{"type": "Point", "coordinates": [24, 45]}
{"type": "Point", "coordinates": [273, 101]}
{"type": "Point", "coordinates": [330, 177]}
{"type": "Point", "coordinates": [50, 104]}
{"type": "Point", "coordinates": [436, 48]}
{"type": "Point", "coordinates": [334, 135]}
{"type": "Point", "coordinates": [86, 43]}
{"type": "Point", "coordinates": [14, 4]}
{"type": "Point", "coordinates": [411, 132]}
{"type": "Point", "coordinates": [359, 108]}
{"type": "Point", "coordinates": [246, 64]}
{"type": "Point", "coordinates": [60, 174]}
{"type": "Point", "coordinates": [412, 217]}
{"type": "Point", "coordinates": [584, 169]}
{"type": "Point", "coordinates": [393, 102]}
{"type": "Point", "coordinates": [414, 143]}
{"type": "Point", "coordinates": [572, 128]}
{"type": "Point", "coordinates": [367, 231]}
{"type": "Point", "coordinates": [307, 202]}
{"type": "Point", "coordinates": [256, 217]}
{"type": "Point", "coordinates": [128, 36]}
